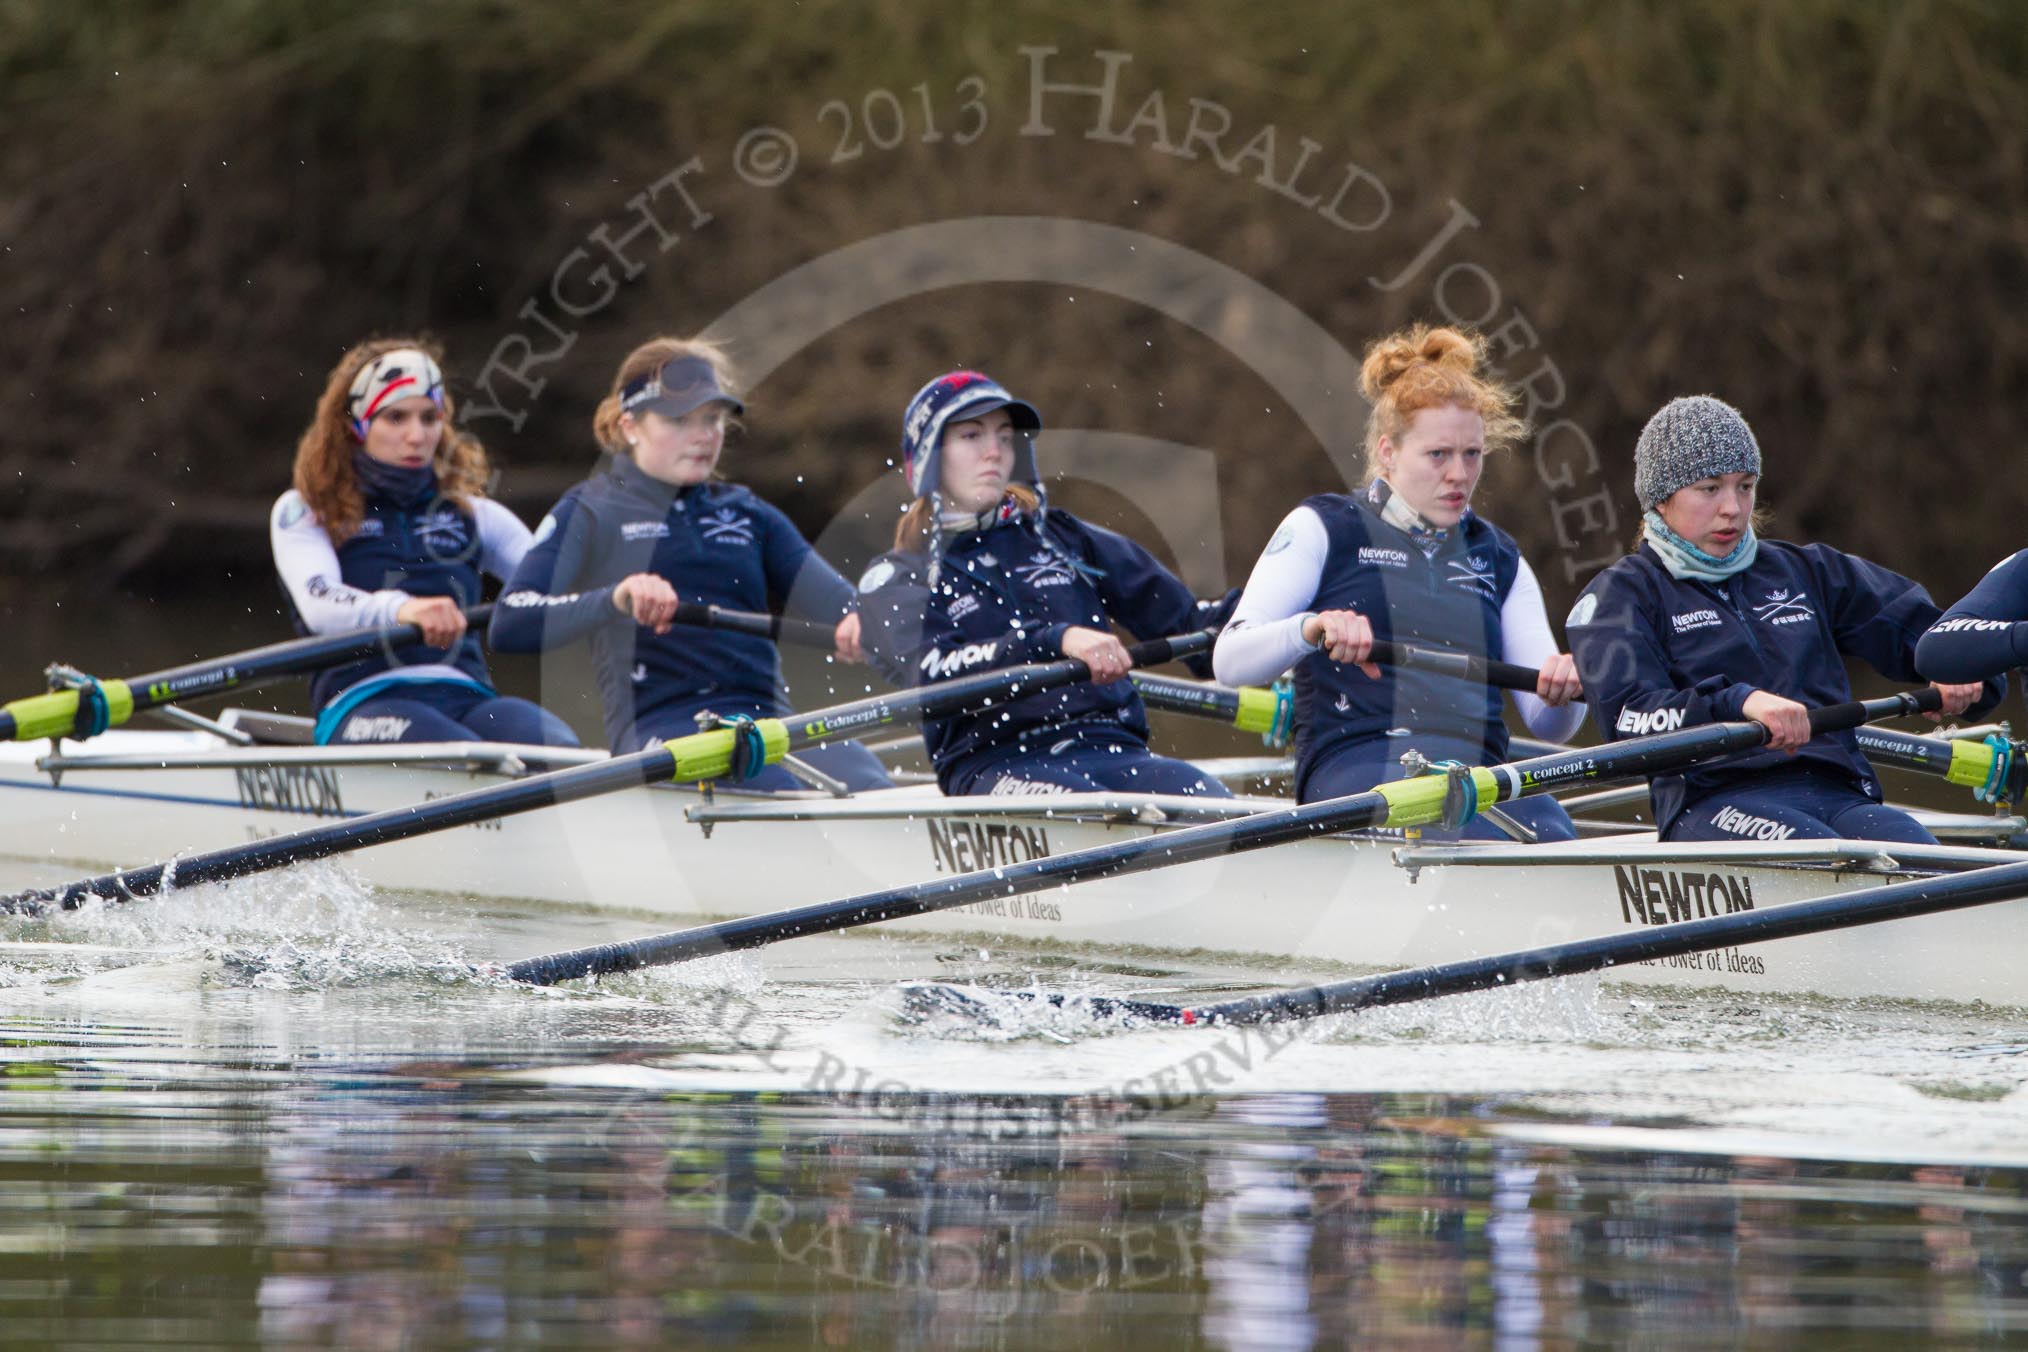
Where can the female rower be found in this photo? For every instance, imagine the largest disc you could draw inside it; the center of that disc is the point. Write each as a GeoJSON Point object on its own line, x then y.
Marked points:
{"type": "Point", "coordinates": [613, 556]}
{"type": "Point", "coordinates": [1406, 559]}
{"type": "Point", "coordinates": [1986, 633]}
{"type": "Point", "coordinates": [388, 523]}
{"type": "Point", "coordinates": [984, 575]}
{"type": "Point", "coordinates": [1705, 622]}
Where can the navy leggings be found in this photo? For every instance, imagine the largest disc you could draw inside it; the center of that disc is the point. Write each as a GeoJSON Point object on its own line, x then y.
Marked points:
{"type": "Point", "coordinates": [850, 762]}
{"type": "Point", "coordinates": [1795, 804]}
{"type": "Point", "coordinates": [1084, 761]}
{"type": "Point", "coordinates": [451, 713]}
{"type": "Point", "coordinates": [1358, 766]}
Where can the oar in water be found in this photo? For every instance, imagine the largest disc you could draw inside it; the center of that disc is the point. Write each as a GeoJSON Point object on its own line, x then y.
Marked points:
{"type": "Point", "coordinates": [91, 710]}
{"type": "Point", "coordinates": [699, 756]}
{"type": "Point", "coordinates": [1450, 796]}
{"type": "Point", "coordinates": [1889, 901]}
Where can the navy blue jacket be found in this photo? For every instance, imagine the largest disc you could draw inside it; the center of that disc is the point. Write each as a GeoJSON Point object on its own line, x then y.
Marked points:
{"type": "Point", "coordinates": [429, 547]}
{"type": "Point", "coordinates": [716, 543]}
{"type": "Point", "coordinates": [1986, 633]}
{"type": "Point", "coordinates": [1451, 599]}
{"type": "Point", "coordinates": [1657, 652]}
{"type": "Point", "coordinates": [1003, 597]}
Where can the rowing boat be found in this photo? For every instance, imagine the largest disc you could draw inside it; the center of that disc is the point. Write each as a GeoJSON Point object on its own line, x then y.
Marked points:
{"type": "Point", "coordinates": [1363, 899]}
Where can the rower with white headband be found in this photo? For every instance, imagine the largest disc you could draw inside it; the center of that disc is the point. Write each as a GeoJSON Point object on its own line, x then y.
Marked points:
{"type": "Point", "coordinates": [388, 523]}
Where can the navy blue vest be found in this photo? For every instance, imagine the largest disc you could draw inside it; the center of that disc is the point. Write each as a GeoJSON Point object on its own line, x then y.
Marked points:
{"type": "Point", "coordinates": [717, 543]}
{"type": "Point", "coordinates": [1451, 599]}
{"type": "Point", "coordinates": [425, 548]}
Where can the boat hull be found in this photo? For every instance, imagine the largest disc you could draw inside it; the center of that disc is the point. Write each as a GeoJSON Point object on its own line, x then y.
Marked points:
{"type": "Point", "coordinates": [1377, 901]}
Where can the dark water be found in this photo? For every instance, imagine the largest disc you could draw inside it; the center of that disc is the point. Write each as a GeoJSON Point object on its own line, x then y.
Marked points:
{"type": "Point", "coordinates": [443, 1204]}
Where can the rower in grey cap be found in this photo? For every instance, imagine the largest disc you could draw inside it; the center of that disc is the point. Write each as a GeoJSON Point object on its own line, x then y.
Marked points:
{"type": "Point", "coordinates": [612, 558]}
{"type": "Point", "coordinates": [1708, 622]}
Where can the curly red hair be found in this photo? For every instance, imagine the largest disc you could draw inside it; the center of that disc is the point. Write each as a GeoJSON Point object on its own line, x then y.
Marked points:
{"type": "Point", "coordinates": [1423, 367]}
{"type": "Point", "coordinates": [324, 473]}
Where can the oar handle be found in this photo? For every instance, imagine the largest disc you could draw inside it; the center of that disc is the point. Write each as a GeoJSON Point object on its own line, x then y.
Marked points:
{"type": "Point", "coordinates": [1154, 652]}
{"type": "Point", "coordinates": [782, 628]}
{"type": "Point", "coordinates": [1464, 666]}
{"type": "Point", "coordinates": [1841, 717]}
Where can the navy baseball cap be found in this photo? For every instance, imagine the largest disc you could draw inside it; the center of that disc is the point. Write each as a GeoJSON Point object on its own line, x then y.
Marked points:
{"type": "Point", "coordinates": [678, 386]}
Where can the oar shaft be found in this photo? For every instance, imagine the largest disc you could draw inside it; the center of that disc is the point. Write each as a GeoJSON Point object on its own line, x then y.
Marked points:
{"type": "Point", "coordinates": [1892, 901]}
{"type": "Point", "coordinates": [1250, 708]}
{"type": "Point", "coordinates": [1967, 761]}
{"type": "Point", "coordinates": [1407, 802]}
{"type": "Point", "coordinates": [381, 828]}
{"type": "Point", "coordinates": [1123, 857]}
{"type": "Point", "coordinates": [57, 713]}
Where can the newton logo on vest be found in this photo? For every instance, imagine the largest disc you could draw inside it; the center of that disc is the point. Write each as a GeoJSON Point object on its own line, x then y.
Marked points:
{"type": "Point", "coordinates": [1383, 557]}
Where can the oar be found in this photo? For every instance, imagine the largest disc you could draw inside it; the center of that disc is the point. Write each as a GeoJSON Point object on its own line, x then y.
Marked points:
{"type": "Point", "coordinates": [1254, 709]}
{"type": "Point", "coordinates": [89, 711]}
{"type": "Point", "coordinates": [699, 756]}
{"type": "Point", "coordinates": [782, 628]}
{"type": "Point", "coordinates": [1890, 901]}
{"type": "Point", "coordinates": [1406, 802]}
{"type": "Point", "coordinates": [1464, 666]}
{"type": "Point", "coordinates": [1250, 708]}
{"type": "Point", "coordinates": [1994, 768]}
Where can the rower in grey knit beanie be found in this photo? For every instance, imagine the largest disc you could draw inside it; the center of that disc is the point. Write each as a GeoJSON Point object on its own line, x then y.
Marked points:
{"type": "Point", "coordinates": [1688, 439]}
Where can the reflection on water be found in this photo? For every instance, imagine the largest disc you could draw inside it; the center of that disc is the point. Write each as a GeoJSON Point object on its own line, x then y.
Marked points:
{"type": "Point", "coordinates": [468, 1203]}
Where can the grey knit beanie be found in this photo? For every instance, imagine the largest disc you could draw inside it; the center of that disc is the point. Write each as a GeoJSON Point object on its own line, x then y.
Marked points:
{"type": "Point", "coordinates": [1688, 439]}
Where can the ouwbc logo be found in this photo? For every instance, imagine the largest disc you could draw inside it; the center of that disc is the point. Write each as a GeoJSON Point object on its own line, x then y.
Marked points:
{"type": "Point", "coordinates": [1044, 569]}
{"type": "Point", "coordinates": [727, 527]}
{"type": "Point", "coordinates": [1781, 608]}
{"type": "Point", "coordinates": [1474, 570]}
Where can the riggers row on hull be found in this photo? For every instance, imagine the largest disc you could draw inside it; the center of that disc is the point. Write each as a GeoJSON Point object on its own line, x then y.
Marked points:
{"type": "Point", "coordinates": [1366, 899]}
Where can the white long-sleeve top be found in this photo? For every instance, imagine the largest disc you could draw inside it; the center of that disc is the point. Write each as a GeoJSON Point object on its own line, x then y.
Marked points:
{"type": "Point", "coordinates": [308, 564]}
{"type": "Point", "coordinates": [1264, 638]}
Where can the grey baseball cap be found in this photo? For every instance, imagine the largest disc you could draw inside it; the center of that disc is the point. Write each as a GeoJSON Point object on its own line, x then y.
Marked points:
{"type": "Point", "coordinates": [675, 388]}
